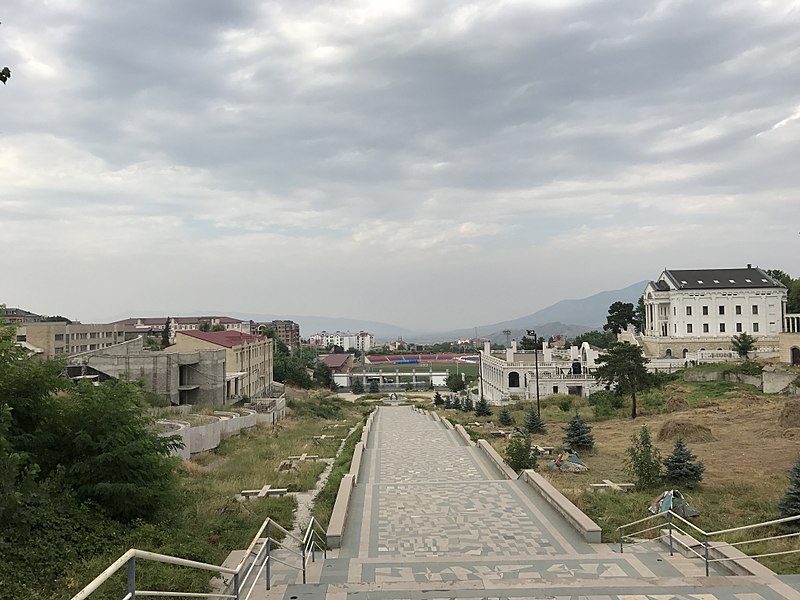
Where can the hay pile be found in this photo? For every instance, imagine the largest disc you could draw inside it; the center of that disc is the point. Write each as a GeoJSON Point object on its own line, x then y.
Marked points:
{"type": "Point", "coordinates": [689, 432]}
{"type": "Point", "coordinates": [676, 404]}
{"type": "Point", "coordinates": [790, 415]}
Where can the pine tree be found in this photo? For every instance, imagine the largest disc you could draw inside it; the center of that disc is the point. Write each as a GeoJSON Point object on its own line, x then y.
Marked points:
{"type": "Point", "coordinates": [533, 422]}
{"type": "Point", "coordinates": [578, 434]}
{"type": "Point", "coordinates": [357, 386]}
{"type": "Point", "coordinates": [505, 417]}
{"type": "Point", "coordinates": [482, 408]}
{"type": "Point", "coordinates": [682, 467]}
{"type": "Point", "coordinates": [457, 403]}
{"type": "Point", "coordinates": [437, 399]}
{"type": "Point", "coordinates": [644, 460]}
{"type": "Point", "coordinates": [789, 505]}
{"type": "Point", "coordinates": [166, 334]}
{"type": "Point", "coordinates": [467, 405]}
{"type": "Point", "coordinates": [448, 403]}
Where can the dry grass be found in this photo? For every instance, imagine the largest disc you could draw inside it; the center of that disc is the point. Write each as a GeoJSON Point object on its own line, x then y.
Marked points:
{"type": "Point", "coordinates": [673, 430]}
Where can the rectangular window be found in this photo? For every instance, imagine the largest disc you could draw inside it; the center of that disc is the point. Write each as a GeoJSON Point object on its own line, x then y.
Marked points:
{"type": "Point", "coordinates": [674, 311]}
{"type": "Point", "coordinates": [755, 327]}
{"type": "Point", "coordinates": [689, 328]}
{"type": "Point", "coordinates": [738, 309]}
{"type": "Point", "coordinates": [705, 310]}
{"type": "Point", "coordinates": [755, 309]}
{"type": "Point", "coordinates": [722, 327]}
{"type": "Point", "coordinates": [705, 327]}
{"type": "Point", "coordinates": [59, 337]}
{"type": "Point", "coordinates": [738, 328]}
{"type": "Point", "coordinates": [688, 311]}
{"type": "Point", "coordinates": [722, 310]}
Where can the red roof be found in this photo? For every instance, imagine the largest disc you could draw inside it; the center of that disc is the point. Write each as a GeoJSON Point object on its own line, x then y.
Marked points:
{"type": "Point", "coordinates": [335, 361]}
{"type": "Point", "coordinates": [228, 338]}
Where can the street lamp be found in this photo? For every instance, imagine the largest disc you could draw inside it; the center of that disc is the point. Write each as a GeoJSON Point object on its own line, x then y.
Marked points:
{"type": "Point", "coordinates": [536, 362]}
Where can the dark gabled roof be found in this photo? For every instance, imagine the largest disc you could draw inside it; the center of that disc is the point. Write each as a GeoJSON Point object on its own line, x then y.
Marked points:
{"type": "Point", "coordinates": [707, 279]}
{"type": "Point", "coordinates": [661, 286]}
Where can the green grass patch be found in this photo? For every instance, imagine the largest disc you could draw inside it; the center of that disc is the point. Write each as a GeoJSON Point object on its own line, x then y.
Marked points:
{"type": "Point", "coordinates": [323, 503]}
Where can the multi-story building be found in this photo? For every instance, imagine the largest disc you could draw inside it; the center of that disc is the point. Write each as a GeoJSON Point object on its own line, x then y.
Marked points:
{"type": "Point", "coordinates": [248, 358]}
{"type": "Point", "coordinates": [286, 331]}
{"type": "Point", "coordinates": [362, 340]}
{"type": "Point", "coordinates": [18, 316]}
{"type": "Point", "coordinates": [53, 339]}
{"type": "Point", "coordinates": [701, 309]}
{"type": "Point", "coordinates": [136, 326]}
{"type": "Point", "coordinates": [194, 377]}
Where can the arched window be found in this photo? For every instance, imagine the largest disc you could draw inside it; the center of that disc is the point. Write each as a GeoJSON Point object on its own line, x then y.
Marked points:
{"type": "Point", "coordinates": [796, 356]}
{"type": "Point", "coordinates": [513, 379]}
{"type": "Point", "coordinates": [685, 352]}
{"type": "Point", "coordinates": [668, 353]}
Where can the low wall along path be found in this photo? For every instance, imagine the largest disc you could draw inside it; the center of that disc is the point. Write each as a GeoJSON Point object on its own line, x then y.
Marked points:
{"type": "Point", "coordinates": [432, 517]}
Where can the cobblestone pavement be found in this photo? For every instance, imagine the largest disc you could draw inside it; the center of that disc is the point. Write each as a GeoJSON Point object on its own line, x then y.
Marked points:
{"type": "Point", "coordinates": [432, 518]}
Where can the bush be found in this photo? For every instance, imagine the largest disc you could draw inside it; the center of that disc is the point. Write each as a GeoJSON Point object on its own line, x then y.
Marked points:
{"type": "Point", "coordinates": [437, 399]}
{"type": "Point", "coordinates": [644, 460]}
{"type": "Point", "coordinates": [604, 403]}
{"type": "Point", "coordinates": [747, 367]}
{"type": "Point", "coordinates": [357, 386]}
{"type": "Point", "coordinates": [519, 455]}
{"type": "Point", "coordinates": [565, 404]}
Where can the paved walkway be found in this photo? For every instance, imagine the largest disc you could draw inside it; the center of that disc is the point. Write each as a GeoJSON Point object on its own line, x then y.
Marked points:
{"type": "Point", "coordinates": [432, 518]}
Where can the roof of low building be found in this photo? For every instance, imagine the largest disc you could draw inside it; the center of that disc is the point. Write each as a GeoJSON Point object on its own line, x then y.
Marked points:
{"type": "Point", "coordinates": [334, 361]}
{"type": "Point", "coordinates": [704, 279]}
{"type": "Point", "coordinates": [180, 320]}
{"type": "Point", "coordinates": [227, 338]}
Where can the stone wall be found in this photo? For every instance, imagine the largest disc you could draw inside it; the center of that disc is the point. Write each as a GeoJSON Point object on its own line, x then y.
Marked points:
{"type": "Point", "coordinates": [201, 438]}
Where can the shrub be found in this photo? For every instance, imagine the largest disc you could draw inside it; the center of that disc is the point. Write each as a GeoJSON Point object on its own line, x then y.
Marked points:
{"type": "Point", "coordinates": [565, 404]}
{"type": "Point", "coordinates": [578, 434]}
{"type": "Point", "coordinates": [682, 467]}
{"type": "Point", "coordinates": [644, 460]}
{"type": "Point", "coordinates": [357, 386]}
{"type": "Point", "coordinates": [519, 455]}
{"type": "Point", "coordinates": [437, 399]}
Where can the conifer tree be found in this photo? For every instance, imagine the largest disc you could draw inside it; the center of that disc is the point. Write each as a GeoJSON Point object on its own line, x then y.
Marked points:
{"type": "Point", "coordinates": [448, 402]}
{"type": "Point", "coordinates": [644, 460]}
{"type": "Point", "coordinates": [682, 467]}
{"type": "Point", "coordinates": [482, 408]}
{"type": "Point", "coordinates": [789, 505]}
{"type": "Point", "coordinates": [457, 403]}
{"type": "Point", "coordinates": [437, 399]}
{"type": "Point", "coordinates": [505, 417]}
{"type": "Point", "coordinates": [578, 434]}
{"type": "Point", "coordinates": [467, 405]}
{"type": "Point", "coordinates": [533, 422]}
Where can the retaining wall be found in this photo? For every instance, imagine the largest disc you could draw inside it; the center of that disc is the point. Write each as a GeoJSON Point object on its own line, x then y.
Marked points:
{"type": "Point", "coordinates": [201, 438]}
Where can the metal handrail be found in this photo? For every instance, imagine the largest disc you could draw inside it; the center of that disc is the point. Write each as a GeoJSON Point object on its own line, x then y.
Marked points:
{"type": "Point", "coordinates": [311, 541]}
{"type": "Point", "coordinates": [670, 515]}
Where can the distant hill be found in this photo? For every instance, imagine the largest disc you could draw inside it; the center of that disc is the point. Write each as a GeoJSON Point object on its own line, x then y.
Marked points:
{"type": "Point", "coordinates": [567, 317]}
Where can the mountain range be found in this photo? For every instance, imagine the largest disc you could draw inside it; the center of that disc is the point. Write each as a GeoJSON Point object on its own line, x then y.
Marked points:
{"type": "Point", "coordinates": [566, 317]}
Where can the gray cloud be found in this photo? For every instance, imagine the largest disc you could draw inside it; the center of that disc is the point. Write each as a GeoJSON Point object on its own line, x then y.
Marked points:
{"type": "Point", "coordinates": [446, 150]}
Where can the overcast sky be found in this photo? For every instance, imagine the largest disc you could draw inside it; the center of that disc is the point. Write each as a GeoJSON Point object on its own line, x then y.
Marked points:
{"type": "Point", "coordinates": [432, 164]}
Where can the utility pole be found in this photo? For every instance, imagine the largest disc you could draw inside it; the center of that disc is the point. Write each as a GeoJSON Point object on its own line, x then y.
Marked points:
{"type": "Point", "coordinates": [507, 333]}
{"type": "Point", "coordinates": [536, 363]}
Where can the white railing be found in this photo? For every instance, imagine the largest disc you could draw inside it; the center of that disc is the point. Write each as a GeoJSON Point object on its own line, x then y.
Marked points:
{"type": "Point", "coordinates": [245, 576]}
{"type": "Point", "coordinates": [671, 517]}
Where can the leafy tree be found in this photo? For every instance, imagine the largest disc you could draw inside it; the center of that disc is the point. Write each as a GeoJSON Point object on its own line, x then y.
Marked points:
{"type": "Point", "coordinates": [437, 399]}
{"type": "Point", "coordinates": [204, 326]}
{"type": "Point", "coordinates": [519, 453]}
{"type": "Point", "coordinates": [598, 339]}
{"type": "Point", "coordinates": [625, 367]}
{"type": "Point", "coordinates": [682, 467]}
{"type": "Point", "coordinates": [323, 376]}
{"type": "Point", "coordinates": [357, 386]}
{"type": "Point", "coordinates": [374, 387]}
{"type": "Point", "coordinates": [101, 444]}
{"type": "Point", "coordinates": [529, 343]}
{"type": "Point", "coordinates": [290, 369]}
{"type": "Point", "coordinates": [620, 315]}
{"type": "Point", "coordinates": [743, 344]}
{"type": "Point", "coordinates": [56, 319]}
{"type": "Point", "coordinates": [455, 383]}
{"type": "Point", "coordinates": [793, 299]}
{"type": "Point", "coordinates": [482, 408]}
{"type": "Point", "coordinates": [505, 417]}
{"type": "Point", "coordinates": [152, 343]}
{"type": "Point", "coordinates": [534, 422]}
{"type": "Point", "coordinates": [166, 334]}
{"type": "Point", "coordinates": [578, 434]}
{"type": "Point", "coordinates": [644, 460]}
{"type": "Point", "coordinates": [781, 276]}
{"type": "Point", "coordinates": [217, 327]}
{"type": "Point", "coordinates": [789, 505]}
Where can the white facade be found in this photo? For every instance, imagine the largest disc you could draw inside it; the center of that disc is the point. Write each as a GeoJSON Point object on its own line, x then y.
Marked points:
{"type": "Point", "coordinates": [359, 341]}
{"type": "Point", "coordinates": [692, 310]}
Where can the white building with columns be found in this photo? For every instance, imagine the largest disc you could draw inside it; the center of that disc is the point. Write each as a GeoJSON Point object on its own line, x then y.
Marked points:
{"type": "Point", "coordinates": [693, 310]}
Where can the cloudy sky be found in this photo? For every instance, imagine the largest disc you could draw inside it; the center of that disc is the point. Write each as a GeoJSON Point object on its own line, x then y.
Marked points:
{"type": "Point", "coordinates": [432, 164]}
